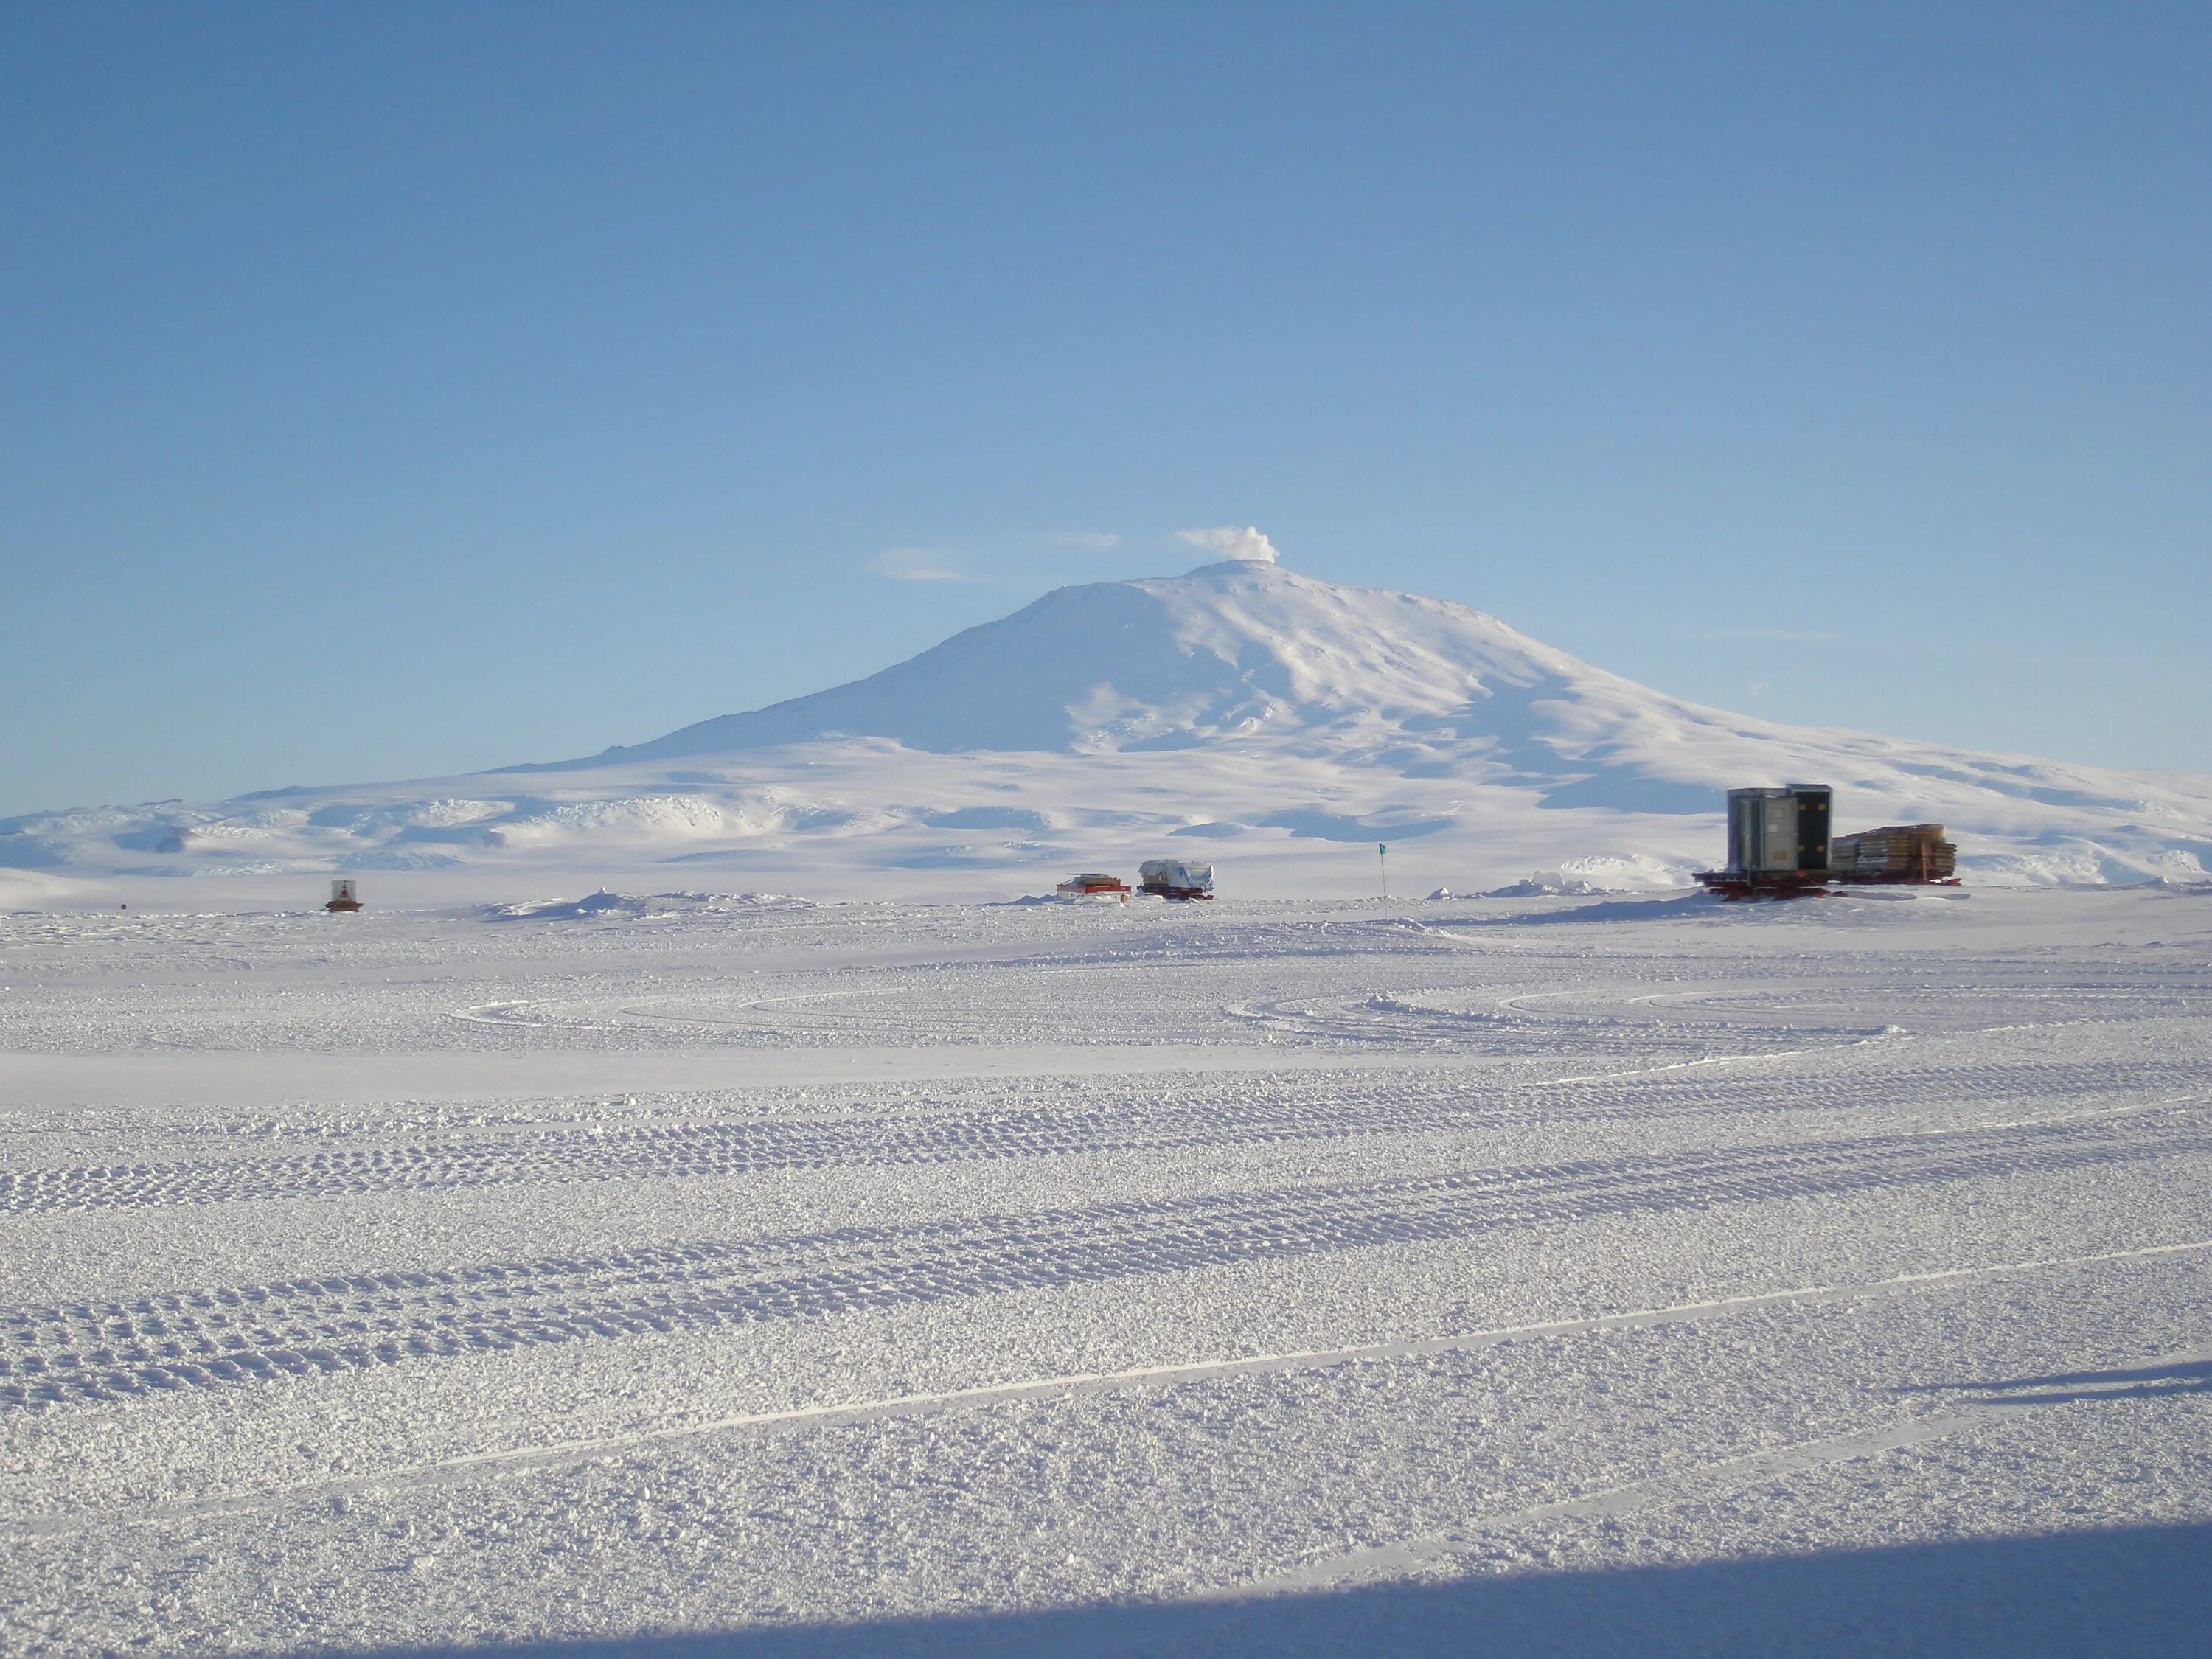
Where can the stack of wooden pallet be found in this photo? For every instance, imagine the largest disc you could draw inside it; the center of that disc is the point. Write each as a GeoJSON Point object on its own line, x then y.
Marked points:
{"type": "Point", "coordinates": [1896, 852]}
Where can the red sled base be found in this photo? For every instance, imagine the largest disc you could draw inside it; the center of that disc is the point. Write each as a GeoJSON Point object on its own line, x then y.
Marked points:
{"type": "Point", "coordinates": [1805, 884]}
{"type": "Point", "coordinates": [1765, 884]}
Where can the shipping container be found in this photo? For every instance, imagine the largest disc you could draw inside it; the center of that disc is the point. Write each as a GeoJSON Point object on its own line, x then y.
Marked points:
{"type": "Point", "coordinates": [1774, 832]}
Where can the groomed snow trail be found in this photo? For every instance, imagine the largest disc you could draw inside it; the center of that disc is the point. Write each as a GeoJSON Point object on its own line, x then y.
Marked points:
{"type": "Point", "coordinates": [1497, 1256]}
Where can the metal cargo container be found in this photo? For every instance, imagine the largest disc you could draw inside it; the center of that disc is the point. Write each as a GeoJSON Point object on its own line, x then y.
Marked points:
{"type": "Point", "coordinates": [1774, 832]}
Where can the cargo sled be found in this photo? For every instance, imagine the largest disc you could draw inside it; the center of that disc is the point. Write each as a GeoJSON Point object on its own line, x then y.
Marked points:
{"type": "Point", "coordinates": [1091, 885]}
{"type": "Point", "coordinates": [1778, 846]}
{"type": "Point", "coordinates": [1174, 878]}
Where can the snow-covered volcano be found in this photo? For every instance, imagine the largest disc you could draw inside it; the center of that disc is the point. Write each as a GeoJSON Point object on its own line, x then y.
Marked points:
{"type": "Point", "coordinates": [1231, 653]}
{"type": "Point", "coordinates": [1285, 720]}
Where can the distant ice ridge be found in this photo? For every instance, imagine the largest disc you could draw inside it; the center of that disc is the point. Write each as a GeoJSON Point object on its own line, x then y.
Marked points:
{"type": "Point", "coordinates": [1290, 723]}
{"type": "Point", "coordinates": [638, 907]}
{"type": "Point", "coordinates": [1586, 876]}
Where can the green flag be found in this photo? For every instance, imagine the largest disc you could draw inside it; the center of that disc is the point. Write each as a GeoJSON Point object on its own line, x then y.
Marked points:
{"type": "Point", "coordinates": [1380, 848]}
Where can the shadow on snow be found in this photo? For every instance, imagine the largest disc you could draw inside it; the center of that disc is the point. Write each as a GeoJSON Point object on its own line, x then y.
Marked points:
{"type": "Point", "coordinates": [2139, 1591]}
{"type": "Point", "coordinates": [2063, 1388]}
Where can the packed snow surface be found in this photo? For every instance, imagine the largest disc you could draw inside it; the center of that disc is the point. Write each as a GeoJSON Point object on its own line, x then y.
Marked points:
{"type": "Point", "coordinates": [1277, 724]}
{"type": "Point", "coordinates": [673, 1273]}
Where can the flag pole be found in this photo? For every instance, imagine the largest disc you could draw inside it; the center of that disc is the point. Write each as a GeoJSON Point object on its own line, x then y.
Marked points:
{"type": "Point", "coordinates": [1383, 858]}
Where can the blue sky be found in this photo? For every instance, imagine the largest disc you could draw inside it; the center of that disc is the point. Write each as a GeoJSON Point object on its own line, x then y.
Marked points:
{"type": "Point", "coordinates": [390, 391]}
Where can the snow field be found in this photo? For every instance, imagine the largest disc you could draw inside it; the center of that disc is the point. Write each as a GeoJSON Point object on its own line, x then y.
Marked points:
{"type": "Point", "coordinates": [1045, 1275]}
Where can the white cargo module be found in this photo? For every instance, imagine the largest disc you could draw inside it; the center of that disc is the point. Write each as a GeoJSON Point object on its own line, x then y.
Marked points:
{"type": "Point", "coordinates": [1174, 878]}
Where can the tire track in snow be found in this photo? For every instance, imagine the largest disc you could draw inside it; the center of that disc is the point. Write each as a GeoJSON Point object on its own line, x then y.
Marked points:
{"type": "Point", "coordinates": [841, 1414]}
{"type": "Point", "coordinates": [101, 1351]}
{"type": "Point", "coordinates": [597, 1154]}
{"type": "Point", "coordinates": [1721, 1017]}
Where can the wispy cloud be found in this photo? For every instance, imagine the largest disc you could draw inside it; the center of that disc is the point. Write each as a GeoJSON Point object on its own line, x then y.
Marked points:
{"type": "Point", "coordinates": [1097, 540]}
{"type": "Point", "coordinates": [1232, 543]}
{"type": "Point", "coordinates": [913, 564]}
